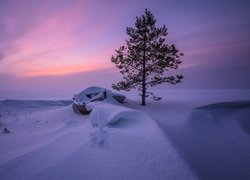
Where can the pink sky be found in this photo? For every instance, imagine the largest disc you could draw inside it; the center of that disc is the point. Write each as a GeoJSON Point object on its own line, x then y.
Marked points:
{"type": "Point", "coordinates": [53, 42]}
{"type": "Point", "coordinates": [53, 39]}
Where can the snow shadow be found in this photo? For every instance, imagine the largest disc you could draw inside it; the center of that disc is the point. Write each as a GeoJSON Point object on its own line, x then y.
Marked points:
{"type": "Point", "coordinates": [239, 110]}
{"type": "Point", "coordinates": [215, 141]}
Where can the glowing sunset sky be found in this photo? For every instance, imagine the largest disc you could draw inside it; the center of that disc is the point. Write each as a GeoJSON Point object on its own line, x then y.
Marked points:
{"type": "Point", "coordinates": [43, 42]}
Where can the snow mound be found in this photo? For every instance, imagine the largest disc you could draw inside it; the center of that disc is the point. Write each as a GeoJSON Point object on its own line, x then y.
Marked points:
{"type": "Point", "coordinates": [235, 104]}
{"type": "Point", "coordinates": [220, 132]}
{"type": "Point", "coordinates": [238, 112]}
{"type": "Point", "coordinates": [104, 114]}
{"type": "Point", "coordinates": [54, 144]}
{"type": "Point", "coordinates": [132, 134]}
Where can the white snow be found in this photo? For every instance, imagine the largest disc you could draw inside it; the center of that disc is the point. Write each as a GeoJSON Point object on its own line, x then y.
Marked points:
{"type": "Point", "coordinates": [180, 137]}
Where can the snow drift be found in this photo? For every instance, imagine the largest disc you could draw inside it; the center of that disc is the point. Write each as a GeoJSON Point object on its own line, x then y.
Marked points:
{"type": "Point", "coordinates": [170, 139]}
{"type": "Point", "coordinates": [219, 135]}
{"type": "Point", "coordinates": [117, 143]}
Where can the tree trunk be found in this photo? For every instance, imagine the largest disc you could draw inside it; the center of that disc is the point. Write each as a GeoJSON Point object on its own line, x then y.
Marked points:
{"type": "Point", "coordinates": [143, 103]}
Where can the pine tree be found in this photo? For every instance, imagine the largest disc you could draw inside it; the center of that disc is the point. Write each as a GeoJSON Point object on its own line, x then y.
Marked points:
{"type": "Point", "coordinates": [146, 58]}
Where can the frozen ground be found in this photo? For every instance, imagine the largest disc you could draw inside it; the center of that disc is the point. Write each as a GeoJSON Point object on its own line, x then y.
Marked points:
{"type": "Point", "coordinates": [188, 135]}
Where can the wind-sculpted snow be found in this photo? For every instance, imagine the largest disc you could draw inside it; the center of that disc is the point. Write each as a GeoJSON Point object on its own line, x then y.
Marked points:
{"type": "Point", "coordinates": [219, 134]}
{"type": "Point", "coordinates": [235, 104]}
{"type": "Point", "coordinates": [238, 112]}
{"type": "Point", "coordinates": [105, 115]}
{"type": "Point", "coordinates": [55, 144]}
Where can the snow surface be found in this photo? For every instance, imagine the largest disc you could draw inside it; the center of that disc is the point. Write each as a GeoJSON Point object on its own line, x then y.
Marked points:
{"type": "Point", "coordinates": [188, 135]}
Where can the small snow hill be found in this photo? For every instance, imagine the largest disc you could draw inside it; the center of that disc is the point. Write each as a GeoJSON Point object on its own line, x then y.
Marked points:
{"type": "Point", "coordinates": [113, 142]}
